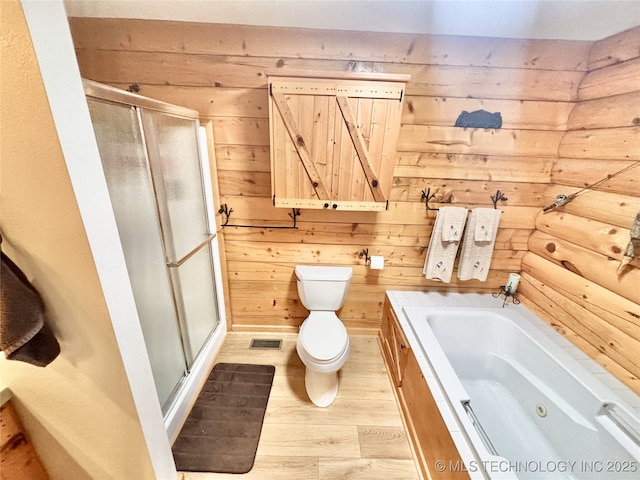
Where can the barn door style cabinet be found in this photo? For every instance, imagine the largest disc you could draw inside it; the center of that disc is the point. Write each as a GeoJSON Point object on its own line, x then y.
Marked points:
{"type": "Point", "coordinates": [333, 138]}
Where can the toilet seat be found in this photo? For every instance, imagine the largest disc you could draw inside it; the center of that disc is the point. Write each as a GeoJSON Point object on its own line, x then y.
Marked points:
{"type": "Point", "coordinates": [323, 336]}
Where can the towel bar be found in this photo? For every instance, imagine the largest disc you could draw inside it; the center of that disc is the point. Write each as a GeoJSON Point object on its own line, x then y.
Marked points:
{"type": "Point", "coordinates": [427, 196]}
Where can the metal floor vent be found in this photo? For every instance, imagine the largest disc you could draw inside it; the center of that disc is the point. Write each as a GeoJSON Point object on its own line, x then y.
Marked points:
{"type": "Point", "coordinates": [266, 344]}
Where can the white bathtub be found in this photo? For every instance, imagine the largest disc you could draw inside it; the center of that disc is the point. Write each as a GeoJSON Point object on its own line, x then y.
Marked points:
{"type": "Point", "coordinates": [518, 404]}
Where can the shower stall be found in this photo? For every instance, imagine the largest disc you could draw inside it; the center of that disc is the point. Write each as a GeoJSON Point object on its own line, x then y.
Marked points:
{"type": "Point", "coordinates": [155, 163]}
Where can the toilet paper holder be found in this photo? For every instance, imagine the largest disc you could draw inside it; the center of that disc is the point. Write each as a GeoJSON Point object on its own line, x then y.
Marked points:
{"type": "Point", "coordinates": [374, 262]}
{"type": "Point", "coordinates": [365, 253]}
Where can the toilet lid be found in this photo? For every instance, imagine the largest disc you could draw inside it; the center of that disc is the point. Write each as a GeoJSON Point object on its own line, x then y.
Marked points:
{"type": "Point", "coordinates": [323, 336]}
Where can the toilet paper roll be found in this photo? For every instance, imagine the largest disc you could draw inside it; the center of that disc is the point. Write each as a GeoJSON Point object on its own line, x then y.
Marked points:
{"type": "Point", "coordinates": [377, 262]}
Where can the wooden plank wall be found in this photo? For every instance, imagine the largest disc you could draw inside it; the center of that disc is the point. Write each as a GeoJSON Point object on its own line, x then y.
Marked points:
{"type": "Point", "coordinates": [219, 71]}
{"type": "Point", "coordinates": [569, 273]}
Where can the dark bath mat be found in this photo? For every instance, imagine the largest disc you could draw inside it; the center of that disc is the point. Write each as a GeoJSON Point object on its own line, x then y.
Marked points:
{"type": "Point", "coordinates": [222, 431]}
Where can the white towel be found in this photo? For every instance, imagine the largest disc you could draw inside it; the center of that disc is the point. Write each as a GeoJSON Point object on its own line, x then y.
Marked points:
{"type": "Point", "coordinates": [453, 223]}
{"type": "Point", "coordinates": [441, 254]}
{"type": "Point", "coordinates": [486, 220]}
{"type": "Point", "coordinates": [478, 243]}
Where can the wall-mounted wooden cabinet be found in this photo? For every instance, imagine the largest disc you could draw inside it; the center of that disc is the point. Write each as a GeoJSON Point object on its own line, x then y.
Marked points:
{"type": "Point", "coordinates": [333, 138]}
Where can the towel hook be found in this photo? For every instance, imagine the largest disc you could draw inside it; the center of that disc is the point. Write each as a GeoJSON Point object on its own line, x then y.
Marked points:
{"type": "Point", "coordinates": [226, 211]}
{"type": "Point", "coordinates": [427, 197]}
{"type": "Point", "coordinates": [499, 197]}
{"type": "Point", "coordinates": [365, 253]}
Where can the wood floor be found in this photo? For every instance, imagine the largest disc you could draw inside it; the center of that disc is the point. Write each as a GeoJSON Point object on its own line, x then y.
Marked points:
{"type": "Point", "coordinates": [360, 436]}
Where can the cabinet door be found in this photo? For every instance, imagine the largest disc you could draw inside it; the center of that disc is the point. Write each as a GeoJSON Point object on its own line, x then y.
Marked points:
{"type": "Point", "coordinates": [386, 340]}
{"type": "Point", "coordinates": [394, 344]}
{"type": "Point", "coordinates": [333, 140]}
{"type": "Point", "coordinates": [429, 432]}
{"type": "Point", "coordinates": [400, 347]}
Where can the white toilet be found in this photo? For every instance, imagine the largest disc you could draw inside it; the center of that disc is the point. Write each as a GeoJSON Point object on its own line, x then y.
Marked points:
{"type": "Point", "coordinates": [323, 343]}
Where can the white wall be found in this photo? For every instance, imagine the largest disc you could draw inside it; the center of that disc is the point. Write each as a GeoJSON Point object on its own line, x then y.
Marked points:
{"type": "Point", "coordinates": [93, 412]}
{"type": "Point", "coordinates": [544, 19]}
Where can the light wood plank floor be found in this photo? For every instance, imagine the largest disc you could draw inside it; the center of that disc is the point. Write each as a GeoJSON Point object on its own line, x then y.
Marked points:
{"type": "Point", "coordinates": [359, 436]}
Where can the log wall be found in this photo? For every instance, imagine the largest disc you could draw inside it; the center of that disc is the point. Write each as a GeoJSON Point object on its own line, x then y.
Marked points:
{"type": "Point", "coordinates": [569, 273]}
{"type": "Point", "coordinates": [219, 71]}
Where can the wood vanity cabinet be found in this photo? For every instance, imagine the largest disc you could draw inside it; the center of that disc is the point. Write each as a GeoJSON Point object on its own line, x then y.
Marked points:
{"type": "Point", "coordinates": [429, 435]}
{"type": "Point", "coordinates": [333, 138]}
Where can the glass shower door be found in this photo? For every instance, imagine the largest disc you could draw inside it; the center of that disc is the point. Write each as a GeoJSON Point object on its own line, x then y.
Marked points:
{"type": "Point", "coordinates": [124, 160]}
{"type": "Point", "coordinates": [175, 165]}
{"type": "Point", "coordinates": [153, 166]}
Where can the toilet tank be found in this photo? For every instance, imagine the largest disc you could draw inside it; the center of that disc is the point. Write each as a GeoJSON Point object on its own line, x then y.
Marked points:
{"type": "Point", "coordinates": [322, 287]}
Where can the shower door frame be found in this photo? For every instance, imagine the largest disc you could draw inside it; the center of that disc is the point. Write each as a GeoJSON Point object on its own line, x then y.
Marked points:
{"type": "Point", "coordinates": [176, 408]}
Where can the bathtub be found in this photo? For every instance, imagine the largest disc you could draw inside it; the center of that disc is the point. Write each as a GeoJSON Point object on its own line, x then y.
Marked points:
{"type": "Point", "coordinates": [519, 402]}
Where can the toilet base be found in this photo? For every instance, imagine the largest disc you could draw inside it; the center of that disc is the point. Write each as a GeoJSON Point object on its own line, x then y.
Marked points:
{"type": "Point", "coordinates": [322, 388]}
